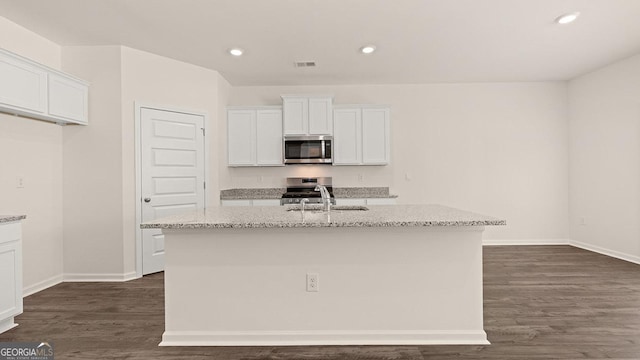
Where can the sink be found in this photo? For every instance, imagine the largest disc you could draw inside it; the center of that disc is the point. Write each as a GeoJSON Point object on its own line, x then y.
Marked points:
{"type": "Point", "coordinates": [334, 207]}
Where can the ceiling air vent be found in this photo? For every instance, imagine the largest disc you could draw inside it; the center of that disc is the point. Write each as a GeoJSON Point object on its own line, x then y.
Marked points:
{"type": "Point", "coordinates": [302, 64]}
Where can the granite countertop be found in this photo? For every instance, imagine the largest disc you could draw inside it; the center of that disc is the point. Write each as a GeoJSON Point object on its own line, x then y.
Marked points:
{"type": "Point", "coordinates": [276, 193]}
{"type": "Point", "coordinates": [10, 218]}
{"type": "Point", "coordinates": [249, 194]}
{"type": "Point", "coordinates": [280, 217]}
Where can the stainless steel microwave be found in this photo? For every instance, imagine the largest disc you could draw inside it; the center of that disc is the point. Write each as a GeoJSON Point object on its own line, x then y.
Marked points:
{"type": "Point", "coordinates": [315, 149]}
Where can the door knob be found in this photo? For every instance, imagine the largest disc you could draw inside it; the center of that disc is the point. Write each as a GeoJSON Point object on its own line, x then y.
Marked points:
{"type": "Point", "coordinates": [147, 200]}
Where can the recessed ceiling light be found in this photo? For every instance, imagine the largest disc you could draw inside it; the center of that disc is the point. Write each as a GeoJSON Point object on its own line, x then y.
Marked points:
{"type": "Point", "coordinates": [567, 18]}
{"type": "Point", "coordinates": [367, 49]}
{"type": "Point", "coordinates": [236, 52]}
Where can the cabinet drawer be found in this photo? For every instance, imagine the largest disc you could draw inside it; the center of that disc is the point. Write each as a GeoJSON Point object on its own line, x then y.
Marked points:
{"type": "Point", "coordinates": [266, 202]}
{"type": "Point", "coordinates": [10, 232]}
{"type": "Point", "coordinates": [235, 202]}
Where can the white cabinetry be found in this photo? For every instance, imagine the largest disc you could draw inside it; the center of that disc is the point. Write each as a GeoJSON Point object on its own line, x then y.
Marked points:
{"type": "Point", "coordinates": [34, 90]}
{"type": "Point", "coordinates": [254, 136]}
{"type": "Point", "coordinates": [23, 86]}
{"type": "Point", "coordinates": [10, 274]}
{"type": "Point", "coordinates": [68, 99]}
{"type": "Point", "coordinates": [251, 202]}
{"type": "Point", "coordinates": [361, 135]}
{"type": "Point", "coordinates": [347, 137]}
{"type": "Point", "coordinates": [368, 201]}
{"type": "Point", "coordinates": [307, 115]}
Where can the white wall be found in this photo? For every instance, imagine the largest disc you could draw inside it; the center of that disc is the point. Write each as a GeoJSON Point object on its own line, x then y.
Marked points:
{"type": "Point", "coordinates": [101, 202]}
{"type": "Point", "coordinates": [93, 227]}
{"type": "Point", "coordinates": [605, 159]}
{"type": "Point", "coordinates": [495, 148]}
{"type": "Point", "coordinates": [155, 80]}
{"type": "Point", "coordinates": [33, 149]}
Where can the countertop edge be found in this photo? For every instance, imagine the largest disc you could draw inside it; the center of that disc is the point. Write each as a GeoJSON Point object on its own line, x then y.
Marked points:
{"type": "Point", "coordinates": [258, 225]}
{"type": "Point", "coordinates": [11, 218]}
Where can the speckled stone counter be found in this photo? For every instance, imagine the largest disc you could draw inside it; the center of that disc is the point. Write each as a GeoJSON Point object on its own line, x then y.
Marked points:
{"type": "Point", "coordinates": [276, 193]}
{"type": "Point", "coordinates": [249, 194]}
{"type": "Point", "coordinates": [362, 193]}
{"type": "Point", "coordinates": [10, 218]}
{"type": "Point", "coordinates": [281, 217]}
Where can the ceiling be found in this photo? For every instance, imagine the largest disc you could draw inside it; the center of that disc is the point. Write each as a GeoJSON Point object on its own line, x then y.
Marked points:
{"type": "Point", "coordinates": [418, 41]}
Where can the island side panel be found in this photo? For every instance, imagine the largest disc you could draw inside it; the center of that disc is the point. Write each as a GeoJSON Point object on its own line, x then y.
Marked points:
{"type": "Point", "coordinates": [377, 285]}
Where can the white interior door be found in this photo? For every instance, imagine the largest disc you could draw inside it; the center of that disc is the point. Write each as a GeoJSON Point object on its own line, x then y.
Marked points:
{"type": "Point", "coordinates": [172, 150]}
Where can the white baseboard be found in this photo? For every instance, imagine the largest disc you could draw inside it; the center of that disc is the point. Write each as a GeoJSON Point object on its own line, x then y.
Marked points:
{"type": "Point", "coordinates": [55, 280]}
{"type": "Point", "coordinates": [597, 249]}
{"type": "Point", "coordinates": [70, 277]}
{"type": "Point", "coordinates": [306, 338]}
{"type": "Point", "coordinates": [491, 242]}
{"type": "Point", "coordinates": [7, 324]}
{"type": "Point", "coordinates": [600, 250]}
{"type": "Point", "coordinates": [39, 286]}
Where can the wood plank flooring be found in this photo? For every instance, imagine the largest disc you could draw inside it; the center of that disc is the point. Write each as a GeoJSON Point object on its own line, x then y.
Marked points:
{"type": "Point", "coordinates": [541, 302]}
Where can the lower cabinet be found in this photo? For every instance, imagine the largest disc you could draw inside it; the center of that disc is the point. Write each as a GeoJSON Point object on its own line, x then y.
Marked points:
{"type": "Point", "coordinates": [369, 201]}
{"type": "Point", "coordinates": [251, 202]}
{"type": "Point", "coordinates": [10, 274]}
{"type": "Point", "coordinates": [339, 201]}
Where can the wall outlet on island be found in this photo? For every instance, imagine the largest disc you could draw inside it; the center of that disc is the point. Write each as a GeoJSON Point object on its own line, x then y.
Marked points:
{"type": "Point", "coordinates": [360, 178]}
{"type": "Point", "coordinates": [313, 284]}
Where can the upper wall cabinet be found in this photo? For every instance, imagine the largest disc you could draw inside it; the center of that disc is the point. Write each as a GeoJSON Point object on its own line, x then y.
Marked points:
{"type": "Point", "coordinates": [361, 135]}
{"type": "Point", "coordinates": [36, 91]}
{"type": "Point", "coordinates": [254, 136]}
{"type": "Point", "coordinates": [307, 115]}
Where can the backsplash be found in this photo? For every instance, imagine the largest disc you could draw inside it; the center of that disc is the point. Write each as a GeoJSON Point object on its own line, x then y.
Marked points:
{"type": "Point", "coordinates": [274, 177]}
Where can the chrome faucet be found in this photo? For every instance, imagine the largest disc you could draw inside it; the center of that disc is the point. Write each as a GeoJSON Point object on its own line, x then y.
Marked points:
{"type": "Point", "coordinates": [326, 198]}
{"type": "Point", "coordinates": [302, 202]}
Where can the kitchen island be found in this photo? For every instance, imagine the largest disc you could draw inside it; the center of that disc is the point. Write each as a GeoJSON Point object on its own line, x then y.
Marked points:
{"type": "Point", "coordinates": [396, 274]}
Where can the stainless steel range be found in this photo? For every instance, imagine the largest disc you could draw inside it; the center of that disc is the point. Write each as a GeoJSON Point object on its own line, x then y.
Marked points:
{"type": "Point", "coordinates": [303, 188]}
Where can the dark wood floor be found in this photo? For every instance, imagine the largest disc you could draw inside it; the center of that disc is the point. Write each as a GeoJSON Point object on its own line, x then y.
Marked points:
{"type": "Point", "coordinates": [541, 302]}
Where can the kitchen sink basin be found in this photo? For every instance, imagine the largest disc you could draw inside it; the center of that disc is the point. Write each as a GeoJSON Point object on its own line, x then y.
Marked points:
{"type": "Point", "coordinates": [333, 208]}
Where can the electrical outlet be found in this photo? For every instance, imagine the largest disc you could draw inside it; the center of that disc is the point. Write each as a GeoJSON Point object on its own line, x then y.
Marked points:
{"type": "Point", "coordinates": [360, 177]}
{"type": "Point", "coordinates": [313, 282]}
{"type": "Point", "coordinates": [20, 182]}
{"type": "Point", "coordinates": [583, 221]}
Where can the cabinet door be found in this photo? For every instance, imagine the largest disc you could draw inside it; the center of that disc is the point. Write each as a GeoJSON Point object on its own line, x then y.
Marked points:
{"type": "Point", "coordinates": [10, 271]}
{"type": "Point", "coordinates": [235, 202]}
{"type": "Point", "coordinates": [269, 137]}
{"type": "Point", "coordinates": [351, 202]}
{"type": "Point", "coordinates": [266, 202]}
{"type": "Point", "coordinates": [23, 86]}
{"type": "Point", "coordinates": [296, 116]}
{"type": "Point", "coordinates": [375, 136]}
{"type": "Point", "coordinates": [241, 137]}
{"type": "Point", "coordinates": [381, 201]}
{"type": "Point", "coordinates": [68, 99]}
{"type": "Point", "coordinates": [347, 140]}
{"type": "Point", "coordinates": [320, 116]}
